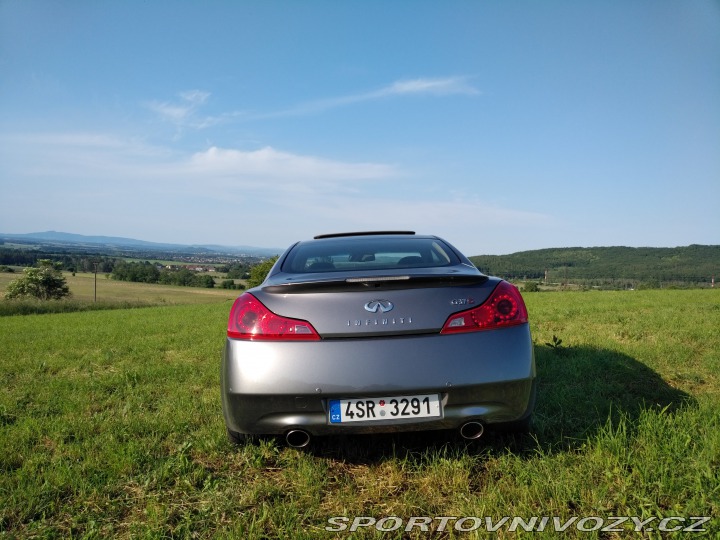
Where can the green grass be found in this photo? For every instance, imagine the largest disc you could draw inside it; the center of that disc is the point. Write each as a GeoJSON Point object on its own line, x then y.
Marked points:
{"type": "Point", "coordinates": [110, 426]}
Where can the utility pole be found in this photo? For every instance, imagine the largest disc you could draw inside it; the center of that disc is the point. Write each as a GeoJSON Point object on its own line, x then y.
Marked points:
{"type": "Point", "coordinates": [95, 264]}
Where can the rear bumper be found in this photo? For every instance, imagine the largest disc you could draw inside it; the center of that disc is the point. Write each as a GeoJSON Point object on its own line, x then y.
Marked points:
{"type": "Point", "coordinates": [272, 387]}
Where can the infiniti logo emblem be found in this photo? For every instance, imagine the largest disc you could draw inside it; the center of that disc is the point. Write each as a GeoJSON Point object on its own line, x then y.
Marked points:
{"type": "Point", "coordinates": [383, 305]}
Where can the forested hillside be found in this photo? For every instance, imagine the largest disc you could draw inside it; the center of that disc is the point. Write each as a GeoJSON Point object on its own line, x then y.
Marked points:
{"type": "Point", "coordinates": [693, 264]}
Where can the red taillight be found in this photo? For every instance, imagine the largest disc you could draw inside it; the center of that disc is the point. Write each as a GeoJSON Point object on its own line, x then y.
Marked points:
{"type": "Point", "coordinates": [250, 319]}
{"type": "Point", "coordinates": [505, 307]}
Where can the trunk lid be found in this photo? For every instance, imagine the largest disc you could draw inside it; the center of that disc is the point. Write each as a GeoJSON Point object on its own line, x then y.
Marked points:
{"type": "Point", "coordinates": [348, 305]}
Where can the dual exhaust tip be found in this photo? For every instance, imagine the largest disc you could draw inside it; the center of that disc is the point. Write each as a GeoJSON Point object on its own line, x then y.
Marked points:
{"type": "Point", "coordinates": [299, 438]}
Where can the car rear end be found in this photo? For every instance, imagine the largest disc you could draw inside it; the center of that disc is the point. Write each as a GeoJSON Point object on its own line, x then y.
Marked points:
{"type": "Point", "coordinates": [376, 333]}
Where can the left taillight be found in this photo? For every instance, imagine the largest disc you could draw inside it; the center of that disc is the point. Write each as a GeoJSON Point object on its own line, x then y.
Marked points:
{"type": "Point", "coordinates": [250, 319]}
{"type": "Point", "coordinates": [504, 307]}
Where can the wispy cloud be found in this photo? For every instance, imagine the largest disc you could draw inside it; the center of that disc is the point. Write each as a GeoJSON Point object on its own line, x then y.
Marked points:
{"type": "Point", "coordinates": [114, 161]}
{"type": "Point", "coordinates": [184, 112]}
{"type": "Point", "coordinates": [424, 86]}
{"type": "Point", "coordinates": [104, 181]}
{"type": "Point", "coordinates": [180, 111]}
{"type": "Point", "coordinates": [269, 163]}
{"type": "Point", "coordinates": [438, 87]}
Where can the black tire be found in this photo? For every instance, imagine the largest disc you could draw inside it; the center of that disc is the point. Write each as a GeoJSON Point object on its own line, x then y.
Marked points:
{"type": "Point", "coordinates": [521, 426]}
{"type": "Point", "coordinates": [238, 438]}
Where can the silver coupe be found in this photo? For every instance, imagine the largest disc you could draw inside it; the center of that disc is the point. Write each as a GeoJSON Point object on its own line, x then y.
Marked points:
{"type": "Point", "coordinates": [376, 332]}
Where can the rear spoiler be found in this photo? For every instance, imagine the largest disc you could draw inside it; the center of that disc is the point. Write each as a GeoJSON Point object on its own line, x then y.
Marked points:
{"type": "Point", "coordinates": [375, 282]}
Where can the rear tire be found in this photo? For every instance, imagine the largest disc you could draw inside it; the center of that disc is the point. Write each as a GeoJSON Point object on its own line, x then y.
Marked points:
{"type": "Point", "coordinates": [238, 439]}
{"type": "Point", "coordinates": [522, 426]}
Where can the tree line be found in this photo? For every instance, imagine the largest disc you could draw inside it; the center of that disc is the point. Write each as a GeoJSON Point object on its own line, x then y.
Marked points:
{"type": "Point", "coordinates": [147, 272]}
{"type": "Point", "coordinates": [72, 262]}
{"type": "Point", "coordinates": [120, 269]}
{"type": "Point", "coordinates": [45, 280]}
{"type": "Point", "coordinates": [694, 264]}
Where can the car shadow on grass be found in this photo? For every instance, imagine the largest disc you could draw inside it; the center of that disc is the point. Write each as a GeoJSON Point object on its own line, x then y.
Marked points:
{"type": "Point", "coordinates": [580, 389]}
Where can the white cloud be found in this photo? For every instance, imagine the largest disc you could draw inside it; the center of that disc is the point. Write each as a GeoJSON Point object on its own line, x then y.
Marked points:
{"type": "Point", "coordinates": [268, 163]}
{"type": "Point", "coordinates": [439, 87]}
{"type": "Point", "coordinates": [196, 97]}
{"type": "Point", "coordinates": [424, 86]}
{"type": "Point", "coordinates": [183, 112]}
{"type": "Point", "coordinates": [115, 165]}
{"type": "Point", "coordinates": [100, 184]}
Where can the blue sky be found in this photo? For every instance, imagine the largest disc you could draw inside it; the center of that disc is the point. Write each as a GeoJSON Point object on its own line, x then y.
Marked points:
{"type": "Point", "coordinates": [500, 126]}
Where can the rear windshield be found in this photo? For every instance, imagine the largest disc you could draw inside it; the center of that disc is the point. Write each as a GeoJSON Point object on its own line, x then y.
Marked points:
{"type": "Point", "coordinates": [372, 253]}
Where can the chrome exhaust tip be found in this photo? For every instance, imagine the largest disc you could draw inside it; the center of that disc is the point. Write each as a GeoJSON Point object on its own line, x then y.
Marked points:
{"type": "Point", "coordinates": [297, 438]}
{"type": "Point", "coordinates": [472, 430]}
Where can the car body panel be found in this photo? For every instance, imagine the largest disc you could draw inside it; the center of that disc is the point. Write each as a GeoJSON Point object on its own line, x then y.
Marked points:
{"type": "Point", "coordinates": [483, 375]}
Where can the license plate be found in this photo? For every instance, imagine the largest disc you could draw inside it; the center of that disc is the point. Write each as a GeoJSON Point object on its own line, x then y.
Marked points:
{"type": "Point", "coordinates": [343, 411]}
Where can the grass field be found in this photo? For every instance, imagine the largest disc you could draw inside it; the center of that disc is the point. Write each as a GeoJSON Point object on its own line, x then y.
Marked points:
{"type": "Point", "coordinates": [110, 426]}
{"type": "Point", "coordinates": [109, 293]}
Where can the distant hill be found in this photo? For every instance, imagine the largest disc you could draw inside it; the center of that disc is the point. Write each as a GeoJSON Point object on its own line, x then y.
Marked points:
{"type": "Point", "coordinates": [695, 264]}
{"type": "Point", "coordinates": [690, 264]}
{"type": "Point", "coordinates": [55, 239]}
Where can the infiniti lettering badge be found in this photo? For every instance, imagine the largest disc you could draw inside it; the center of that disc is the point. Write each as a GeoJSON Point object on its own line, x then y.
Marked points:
{"type": "Point", "coordinates": [383, 305]}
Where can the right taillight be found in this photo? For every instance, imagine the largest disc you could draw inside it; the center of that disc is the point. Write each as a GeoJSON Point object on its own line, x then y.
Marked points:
{"type": "Point", "coordinates": [250, 319]}
{"type": "Point", "coordinates": [504, 307]}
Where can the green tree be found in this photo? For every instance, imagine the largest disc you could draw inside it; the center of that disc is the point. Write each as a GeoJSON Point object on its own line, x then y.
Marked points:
{"type": "Point", "coordinates": [204, 280]}
{"type": "Point", "coordinates": [236, 271]}
{"type": "Point", "coordinates": [140, 272]}
{"type": "Point", "coordinates": [531, 286]}
{"type": "Point", "coordinates": [45, 282]}
{"type": "Point", "coordinates": [259, 272]}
